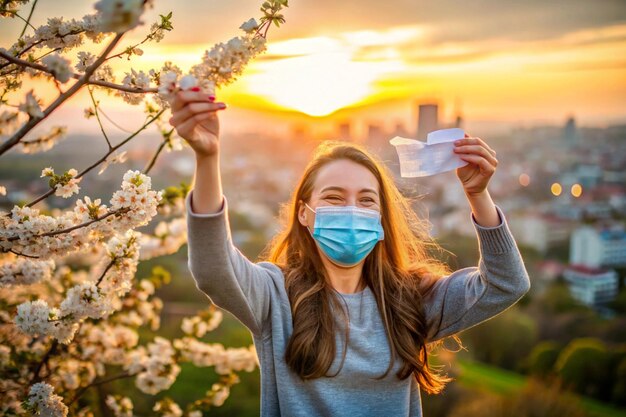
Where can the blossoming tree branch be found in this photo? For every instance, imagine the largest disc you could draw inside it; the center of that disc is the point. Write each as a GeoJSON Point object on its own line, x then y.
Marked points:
{"type": "Point", "coordinates": [71, 305]}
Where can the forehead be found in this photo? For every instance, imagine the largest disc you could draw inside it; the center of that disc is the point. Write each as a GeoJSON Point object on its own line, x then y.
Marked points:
{"type": "Point", "coordinates": [346, 174]}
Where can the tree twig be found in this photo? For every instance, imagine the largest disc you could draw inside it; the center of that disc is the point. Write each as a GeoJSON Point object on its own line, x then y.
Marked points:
{"type": "Point", "coordinates": [107, 84]}
{"type": "Point", "coordinates": [32, 9]}
{"type": "Point", "coordinates": [113, 149]}
{"type": "Point", "coordinates": [51, 351]}
{"type": "Point", "coordinates": [95, 109]}
{"type": "Point", "coordinates": [34, 121]}
{"type": "Point", "coordinates": [99, 382]}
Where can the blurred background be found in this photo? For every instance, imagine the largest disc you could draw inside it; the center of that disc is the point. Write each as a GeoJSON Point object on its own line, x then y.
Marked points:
{"type": "Point", "coordinates": [543, 83]}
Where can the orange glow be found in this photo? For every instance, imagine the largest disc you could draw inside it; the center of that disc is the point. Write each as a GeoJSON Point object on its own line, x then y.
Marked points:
{"type": "Point", "coordinates": [577, 190]}
{"type": "Point", "coordinates": [581, 72]}
{"type": "Point", "coordinates": [556, 188]}
{"type": "Point", "coordinates": [524, 180]}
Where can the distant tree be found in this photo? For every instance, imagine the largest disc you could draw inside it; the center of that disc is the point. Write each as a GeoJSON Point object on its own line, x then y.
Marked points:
{"type": "Point", "coordinates": [542, 358]}
{"type": "Point", "coordinates": [71, 305]}
{"type": "Point", "coordinates": [618, 393]}
{"type": "Point", "coordinates": [505, 340]}
{"type": "Point", "coordinates": [584, 365]}
{"type": "Point", "coordinates": [558, 299]}
{"type": "Point", "coordinates": [619, 303]}
{"type": "Point", "coordinates": [535, 399]}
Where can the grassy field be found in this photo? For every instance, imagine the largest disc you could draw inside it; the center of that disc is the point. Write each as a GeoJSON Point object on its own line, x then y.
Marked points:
{"type": "Point", "coordinates": [475, 374]}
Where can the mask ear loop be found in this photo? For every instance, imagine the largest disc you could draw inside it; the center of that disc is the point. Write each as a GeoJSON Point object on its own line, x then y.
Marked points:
{"type": "Point", "coordinates": [307, 226]}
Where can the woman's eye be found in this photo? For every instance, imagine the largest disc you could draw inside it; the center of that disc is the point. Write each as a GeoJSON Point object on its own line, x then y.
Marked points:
{"type": "Point", "coordinates": [333, 197]}
{"type": "Point", "coordinates": [369, 200]}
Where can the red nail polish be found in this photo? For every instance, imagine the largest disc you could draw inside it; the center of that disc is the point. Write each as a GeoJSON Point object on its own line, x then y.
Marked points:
{"type": "Point", "coordinates": [195, 89]}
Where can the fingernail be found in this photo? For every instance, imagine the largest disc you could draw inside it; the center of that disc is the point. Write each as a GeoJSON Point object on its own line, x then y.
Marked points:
{"type": "Point", "coordinates": [456, 142]}
{"type": "Point", "coordinates": [195, 89]}
{"type": "Point", "coordinates": [222, 105]}
{"type": "Point", "coordinates": [211, 98]}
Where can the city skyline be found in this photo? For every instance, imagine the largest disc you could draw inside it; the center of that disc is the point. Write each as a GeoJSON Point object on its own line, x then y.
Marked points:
{"type": "Point", "coordinates": [315, 72]}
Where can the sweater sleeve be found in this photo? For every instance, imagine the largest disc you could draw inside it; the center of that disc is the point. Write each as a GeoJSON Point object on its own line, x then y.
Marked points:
{"type": "Point", "coordinates": [222, 272]}
{"type": "Point", "coordinates": [472, 295]}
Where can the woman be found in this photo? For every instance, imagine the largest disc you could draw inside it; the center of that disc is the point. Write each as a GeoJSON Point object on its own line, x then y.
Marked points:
{"type": "Point", "coordinates": [343, 306]}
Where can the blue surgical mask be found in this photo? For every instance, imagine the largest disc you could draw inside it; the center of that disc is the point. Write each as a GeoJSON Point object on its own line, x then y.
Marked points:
{"type": "Point", "coordinates": [346, 234]}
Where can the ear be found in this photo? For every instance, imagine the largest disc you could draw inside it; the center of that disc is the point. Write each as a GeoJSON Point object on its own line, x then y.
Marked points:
{"type": "Point", "coordinates": [301, 213]}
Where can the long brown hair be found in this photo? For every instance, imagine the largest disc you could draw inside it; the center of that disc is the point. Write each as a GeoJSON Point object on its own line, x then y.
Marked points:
{"type": "Point", "coordinates": [398, 271]}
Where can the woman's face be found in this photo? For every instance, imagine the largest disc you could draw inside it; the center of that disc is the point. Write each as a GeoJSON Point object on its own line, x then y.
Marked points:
{"type": "Point", "coordinates": [341, 183]}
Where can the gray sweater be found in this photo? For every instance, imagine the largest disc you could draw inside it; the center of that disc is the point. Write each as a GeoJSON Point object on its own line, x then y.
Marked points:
{"type": "Point", "coordinates": [255, 294]}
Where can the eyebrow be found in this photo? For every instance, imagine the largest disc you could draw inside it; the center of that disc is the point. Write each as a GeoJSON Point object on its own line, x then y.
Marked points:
{"type": "Point", "coordinates": [363, 190]}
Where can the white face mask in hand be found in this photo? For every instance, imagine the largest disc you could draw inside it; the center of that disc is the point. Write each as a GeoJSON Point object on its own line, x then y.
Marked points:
{"type": "Point", "coordinates": [419, 159]}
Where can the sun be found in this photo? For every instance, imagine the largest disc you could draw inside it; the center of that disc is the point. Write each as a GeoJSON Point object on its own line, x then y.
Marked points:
{"type": "Point", "coordinates": [321, 78]}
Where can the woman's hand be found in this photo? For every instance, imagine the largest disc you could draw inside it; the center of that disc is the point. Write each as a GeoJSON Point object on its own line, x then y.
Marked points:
{"type": "Point", "coordinates": [482, 164]}
{"type": "Point", "coordinates": [195, 119]}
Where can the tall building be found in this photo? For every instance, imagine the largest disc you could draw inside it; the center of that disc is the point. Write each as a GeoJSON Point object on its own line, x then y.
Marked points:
{"type": "Point", "coordinates": [400, 130]}
{"type": "Point", "coordinates": [376, 138]}
{"type": "Point", "coordinates": [570, 132]}
{"type": "Point", "coordinates": [594, 287]}
{"type": "Point", "coordinates": [427, 120]}
{"type": "Point", "coordinates": [458, 121]}
{"type": "Point", "coordinates": [344, 132]}
{"type": "Point", "coordinates": [598, 246]}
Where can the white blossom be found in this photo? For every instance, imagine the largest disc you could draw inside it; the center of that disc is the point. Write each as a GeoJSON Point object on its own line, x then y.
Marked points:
{"type": "Point", "coordinates": [158, 367]}
{"type": "Point", "coordinates": [167, 408]}
{"type": "Point", "coordinates": [157, 32]}
{"type": "Point", "coordinates": [5, 355]}
{"type": "Point", "coordinates": [32, 317]}
{"type": "Point", "coordinates": [80, 262]}
{"type": "Point", "coordinates": [167, 84]}
{"type": "Point", "coordinates": [85, 60]}
{"type": "Point", "coordinates": [188, 81]}
{"type": "Point", "coordinates": [249, 26]}
{"type": "Point", "coordinates": [45, 141]}
{"type": "Point", "coordinates": [58, 33]}
{"type": "Point", "coordinates": [103, 73]}
{"type": "Point", "coordinates": [135, 203]}
{"type": "Point", "coordinates": [134, 79]}
{"type": "Point", "coordinates": [85, 300]}
{"type": "Point", "coordinates": [121, 406]}
{"type": "Point", "coordinates": [119, 15]}
{"type": "Point", "coordinates": [24, 271]}
{"type": "Point", "coordinates": [213, 354]}
{"type": "Point", "coordinates": [167, 239]}
{"type": "Point", "coordinates": [31, 105]}
{"type": "Point", "coordinates": [8, 122]}
{"type": "Point", "coordinates": [220, 393]}
{"type": "Point", "coordinates": [73, 373]}
{"type": "Point", "coordinates": [59, 66]}
{"type": "Point", "coordinates": [198, 326]}
{"type": "Point", "coordinates": [115, 158]}
{"type": "Point", "coordinates": [108, 344]}
{"type": "Point", "coordinates": [68, 187]}
{"type": "Point", "coordinates": [44, 402]}
{"type": "Point", "coordinates": [88, 210]}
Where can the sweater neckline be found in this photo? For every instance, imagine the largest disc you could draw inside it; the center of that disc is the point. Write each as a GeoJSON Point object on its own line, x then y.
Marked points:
{"type": "Point", "coordinates": [354, 294]}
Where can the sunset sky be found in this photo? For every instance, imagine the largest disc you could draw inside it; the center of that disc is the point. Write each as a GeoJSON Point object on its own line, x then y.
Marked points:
{"type": "Point", "coordinates": [500, 61]}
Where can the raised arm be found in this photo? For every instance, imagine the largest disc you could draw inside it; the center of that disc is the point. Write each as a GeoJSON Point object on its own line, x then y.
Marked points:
{"type": "Point", "coordinates": [472, 295]}
{"type": "Point", "coordinates": [223, 273]}
{"type": "Point", "coordinates": [219, 269]}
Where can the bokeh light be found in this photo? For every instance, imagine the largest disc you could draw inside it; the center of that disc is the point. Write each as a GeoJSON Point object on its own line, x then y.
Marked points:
{"type": "Point", "coordinates": [524, 179]}
{"type": "Point", "coordinates": [576, 190]}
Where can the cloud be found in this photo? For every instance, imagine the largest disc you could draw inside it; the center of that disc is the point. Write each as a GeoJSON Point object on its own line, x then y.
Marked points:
{"type": "Point", "coordinates": [448, 20]}
{"type": "Point", "coordinates": [451, 20]}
